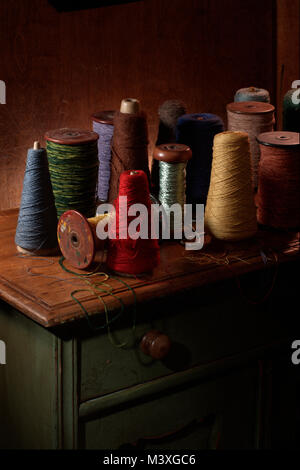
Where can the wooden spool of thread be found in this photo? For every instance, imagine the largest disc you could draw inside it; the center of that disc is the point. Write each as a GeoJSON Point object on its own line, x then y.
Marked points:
{"type": "Point", "coordinates": [252, 93]}
{"type": "Point", "coordinates": [254, 118]}
{"type": "Point", "coordinates": [127, 256]}
{"type": "Point", "coordinates": [36, 229]}
{"type": "Point", "coordinates": [129, 143]}
{"type": "Point", "coordinates": [291, 110]}
{"type": "Point", "coordinates": [168, 112]}
{"type": "Point", "coordinates": [73, 166]}
{"type": "Point", "coordinates": [230, 209]}
{"type": "Point", "coordinates": [103, 125]}
{"type": "Point", "coordinates": [172, 159]}
{"type": "Point", "coordinates": [78, 239]}
{"type": "Point", "coordinates": [278, 196]}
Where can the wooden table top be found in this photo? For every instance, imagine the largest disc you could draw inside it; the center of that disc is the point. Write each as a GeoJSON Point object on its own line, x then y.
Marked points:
{"type": "Point", "coordinates": [41, 289]}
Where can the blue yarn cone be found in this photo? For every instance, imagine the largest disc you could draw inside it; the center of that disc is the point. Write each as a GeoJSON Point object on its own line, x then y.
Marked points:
{"type": "Point", "coordinates": [37, 222]}
{"type": "Point", "coordinates": [198, 131]}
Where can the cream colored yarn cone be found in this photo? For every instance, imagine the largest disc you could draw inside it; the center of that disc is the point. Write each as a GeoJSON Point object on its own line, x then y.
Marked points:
{"type": "Point", "coordinates": [230, 211]}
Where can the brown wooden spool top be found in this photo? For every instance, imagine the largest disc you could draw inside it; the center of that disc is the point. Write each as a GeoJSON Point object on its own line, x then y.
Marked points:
{"type": "Point", "coordinates": [104, 117]}
{"type": "Point", "coordinates": [71, 136]}
{"type": "Point", "coordinates": [172, 153]}
{"type": "Point", "coordinates": [279, 139]}
{"type": "Point", "coordinates": [250, 107]}
{"type": "Point", "coordinates": [76, 239]}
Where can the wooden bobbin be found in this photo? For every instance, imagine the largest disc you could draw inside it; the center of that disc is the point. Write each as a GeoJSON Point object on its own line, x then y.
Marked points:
{"type": "Point", "coordinates": [42, 251]}
{"type": "Point", "coordinates": [104, 117]}
{"type": "Point", "coordinates": [66, 136]}
{"type": "Point", "coordinates": [172, 153]}
{"type": "Point", "coordinates": [250, 107]}
{"type": "Point", "coordinates": [283, 139]}
{"type": "Point", "coordinates": [130, 106]}
{"type": "Point", "coordinates": [78, 240]}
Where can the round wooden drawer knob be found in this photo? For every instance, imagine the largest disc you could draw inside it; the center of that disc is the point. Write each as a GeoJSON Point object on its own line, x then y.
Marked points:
{"type": "Point", "coordinates": [155, 344]}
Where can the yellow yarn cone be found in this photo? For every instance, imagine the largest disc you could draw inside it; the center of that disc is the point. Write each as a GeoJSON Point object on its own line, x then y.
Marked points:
{"type": "Point", "coordinates": [230, 210]}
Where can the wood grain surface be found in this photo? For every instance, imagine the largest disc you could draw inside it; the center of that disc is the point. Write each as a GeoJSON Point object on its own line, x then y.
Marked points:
{"type": "Point", "coordinates": [59, 68]}
{"type": "Point", "coordinates": [40, 289]}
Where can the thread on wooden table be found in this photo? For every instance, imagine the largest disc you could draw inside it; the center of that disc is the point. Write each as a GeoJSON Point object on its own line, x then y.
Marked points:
{"type": "Point", "coordinates": [197, 131]}
{"type": "Point", "coordinates": [103, 126]}
{"type": "Point", "coordinates": [291, 110]}
{"type": "Point", "coordinates": [252, 93]}
{"type": "Point", "coordinates": [254, 118]}
{"type": "Point", "coordinates": [168, 112]}
{"type": "Point", "coordinates": [37, 221]}
{"type": "Point", "coordinates": [230, 210]}
{"type": "Point", "coordinates": [74, 173]}
{"type": "Point", "coordinates": [125, 255]}
{"type": "Point", "coordinates": [129, 144]}
{"type": "Point", "coordinates": [278, 196]}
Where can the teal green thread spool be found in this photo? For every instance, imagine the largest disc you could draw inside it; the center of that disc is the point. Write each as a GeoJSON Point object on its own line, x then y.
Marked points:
{"type": "Point", "coordinates": [73, 166]}
{"type": "Point", "coordinates": [291, 110]}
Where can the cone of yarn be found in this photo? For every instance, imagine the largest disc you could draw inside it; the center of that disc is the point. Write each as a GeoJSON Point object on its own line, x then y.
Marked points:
{"type": "Point", "coordinates": [168, 112]}
{"type": "Point", "coordinates": [37, 221]}
{"type": "Point", "coordinates": [278, 195]}
{"type": "Point", "coordinates": [252, 93]}
{"type": "Point", "coordinates": [230, 210]}
{"type": "Point", "coordinates": [253, 118]}
{"type": "Point", "coordinates": [291, 110]}
{"type": "Point", "coordinates": [197, 131]}
{"type": "Point", "coordinates": [103, 126]}
{"type": "Point", "coordinates": [127, 256]}
{"type": "Point", "coordinates": [129, 143]}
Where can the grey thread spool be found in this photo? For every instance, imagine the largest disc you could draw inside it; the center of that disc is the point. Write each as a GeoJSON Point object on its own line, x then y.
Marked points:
{"type": "Point", "coordinates": [252, 93]}
{"type": "Point", "coordinates": [37, 221]}
{"type": "Point", "coordinates": [172, 159]}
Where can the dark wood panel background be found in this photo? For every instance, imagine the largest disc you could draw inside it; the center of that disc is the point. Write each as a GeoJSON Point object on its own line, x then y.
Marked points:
{"type": "Point", "coordinates": [60, 67]}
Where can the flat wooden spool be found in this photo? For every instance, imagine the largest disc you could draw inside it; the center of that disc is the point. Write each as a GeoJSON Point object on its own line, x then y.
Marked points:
{"type": "Point", "coordinates": [283, 139]}
{"type": "Point", "coordinates": [250, 107]}
{"type": "Point", "coordinates": [76, 239]}
{"type": "Point", "coordinates": [70, 136]}
{"type": "Point", "coordinates": [172, 153]}
{"type": "Point", "coordinates": [104, 117]}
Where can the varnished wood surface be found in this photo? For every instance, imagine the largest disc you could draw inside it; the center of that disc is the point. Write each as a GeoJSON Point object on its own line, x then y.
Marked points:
{"type": "Point", "coordinates": [40, 289]}
{"type": "Point", "coordinates": [59, 68]}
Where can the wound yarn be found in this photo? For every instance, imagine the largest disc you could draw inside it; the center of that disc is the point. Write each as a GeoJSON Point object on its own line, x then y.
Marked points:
{"type": "Point", "coordinates": [278, 196]}
{"type": "Point", "coordinates": [127, 256]}
{"type": "Point", "coordinates": [129, 147]}
{"type": "Point", "coordinates": [37, 221]}
{"type": "Point", "coordinates": [253, 118]}
{"type": "Point", "coordinates": [103, 126]}
{"type": "Point", "coordinates": [73, 166]}
{"type": "Point", "coordinates": [291, 110]}
{"type": "Point", "coordinates": [252, 93]}
{"type": "Point", "coordinates": [230, 210]}
{"type": "Point", "coordinates": [197, 131]}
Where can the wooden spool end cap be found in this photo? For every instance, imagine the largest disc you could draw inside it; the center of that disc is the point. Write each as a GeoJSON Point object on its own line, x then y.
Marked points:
{"type": "Point", "coordinates": [76, 239]}
{"type": "Point", "coordinates": [130, 106]}
{"type": "Point", "coordinates": [42, 252]}
{"type": "Point", "coordinates": [172, 153]}
{"type": "Point", "coordinates": [250, 107]}
{"type": "Point", "coordinates": [104, 117]}
{"type": "Point", "coordinates": [279, 139]}
{"type": "Point", "coordinates": [68, 136]}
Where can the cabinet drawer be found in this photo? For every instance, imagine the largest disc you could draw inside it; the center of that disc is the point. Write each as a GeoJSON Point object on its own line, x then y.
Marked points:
{"type": "Point", "coordinates": [202, 329]}
{"type": "Point", "coordinates": [215, 414]}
